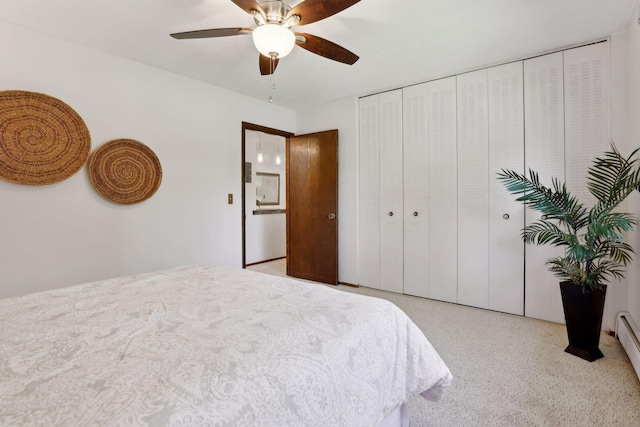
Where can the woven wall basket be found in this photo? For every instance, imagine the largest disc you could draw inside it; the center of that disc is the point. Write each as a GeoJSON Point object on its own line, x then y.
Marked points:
{"type": "Point", "coordinates": [42, 139]}
{"type": "Point", "coordinates": [125, 171]}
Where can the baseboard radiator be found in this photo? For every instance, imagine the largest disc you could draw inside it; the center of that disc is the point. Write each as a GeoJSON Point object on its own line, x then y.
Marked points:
{"type": "Point", "coordinates": [629, 335]}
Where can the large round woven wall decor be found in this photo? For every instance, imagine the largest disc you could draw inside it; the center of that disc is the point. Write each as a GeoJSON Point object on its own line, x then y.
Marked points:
{"type": "Point", "coordinates": [42, 139]}
{"type": "Point", "coordinates": [125, 171]}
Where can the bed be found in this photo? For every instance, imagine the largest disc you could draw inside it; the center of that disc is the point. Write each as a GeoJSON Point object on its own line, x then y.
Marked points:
{"type": "Point", "coordinates": [210, 345]}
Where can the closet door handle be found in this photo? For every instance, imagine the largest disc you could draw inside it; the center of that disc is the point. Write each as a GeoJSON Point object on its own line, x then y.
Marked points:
{"type": "Point", "coordinates": [505, 216]}
{"type": "Point", "coordinates": [332, 216]}
{"type": "Point", "coordinates": [415, 214]}
{"type": "Point", "coordinates": [390, 214]}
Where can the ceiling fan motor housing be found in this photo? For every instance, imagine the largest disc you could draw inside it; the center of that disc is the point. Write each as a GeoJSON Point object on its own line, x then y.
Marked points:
{"type": "Point", "coordinates": [275, 11]}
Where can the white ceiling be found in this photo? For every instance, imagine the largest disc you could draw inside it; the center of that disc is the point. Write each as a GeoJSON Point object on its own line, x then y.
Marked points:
{"type": "Point", "coordinates": [400, 42]}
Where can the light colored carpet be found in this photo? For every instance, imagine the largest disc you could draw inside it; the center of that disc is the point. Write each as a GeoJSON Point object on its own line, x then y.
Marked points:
{"type": "Point", "coordinates": [513, 371]}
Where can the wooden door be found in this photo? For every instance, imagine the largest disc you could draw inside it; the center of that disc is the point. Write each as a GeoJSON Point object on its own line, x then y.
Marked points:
{"type": "Point", "coordinates": [587, 77]}
{"type": "Point", "coordinates": [586, 111]}
{"type": "Point", "coordinates": [391, 250]}
{"type": "Point", "coordinates": [369, 193]}
{"type": "Point", "coordinates": [312, 207]}
{"type": "Point", "coordinates": [473, 189]}
{"type": "Point", "coordinates": [443, 189]}
{"type": "Point", "coordinates": [506, 216]}
{"type": "Point", "coordinates": [543, 153]}
{"type": "Point", "coordinates": [416, 206]}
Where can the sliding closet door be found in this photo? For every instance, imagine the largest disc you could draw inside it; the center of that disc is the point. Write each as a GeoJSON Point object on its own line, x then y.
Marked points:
{"type": "Point", "coordinates": [369, 194]}
{"type": "Point", "coordinates": [473, 189]}
{"type": "Point", "coordinates": [391, 205]}
{"type": "Point", "coordinates": [442, 190]}
{"type": "Point", "coordinates": [544, 153]}
{"type": "Point", "coordinates": [586, 92]}
{"type": "Point", "coordinates": [506, 216]}
{"type": "Point", "coordinates": [415, 131]}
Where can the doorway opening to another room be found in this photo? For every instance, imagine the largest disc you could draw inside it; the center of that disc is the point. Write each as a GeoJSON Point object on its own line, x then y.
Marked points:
{"type": "Point", "coordinates": [290, 201]}
{"type": "Point", "coordinates": [264, 200]}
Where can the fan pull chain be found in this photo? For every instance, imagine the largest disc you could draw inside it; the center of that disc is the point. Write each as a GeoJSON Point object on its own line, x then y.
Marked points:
{"type": "Point", "coordinates": [272, 85]}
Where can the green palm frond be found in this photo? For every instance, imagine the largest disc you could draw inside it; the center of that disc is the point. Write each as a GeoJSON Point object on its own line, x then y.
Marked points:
{"type": "Point", "coordinates": [607, 270]}
{"type": "Point", "coordinates": [620, 253]}
{"type": "Point", "coordinates": [579, 252]}
{"type": "Point", "coordinates": [566, 269]}
{"type": "Point", "coordinates": [556, 203]}
{"type": "Point", "coordinates": [611, 179]}
{"type": "Point", "coordinates": [611, 226]}
{"type": "Point", "coordinates": [544, 232]}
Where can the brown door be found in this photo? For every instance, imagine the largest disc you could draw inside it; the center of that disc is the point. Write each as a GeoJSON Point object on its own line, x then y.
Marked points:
{"type": "Point", "coordinates": [312, 207]}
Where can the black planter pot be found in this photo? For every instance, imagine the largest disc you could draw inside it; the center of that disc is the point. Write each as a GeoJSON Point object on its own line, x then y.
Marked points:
{"type": "Point", "coordinates": [583, 316]}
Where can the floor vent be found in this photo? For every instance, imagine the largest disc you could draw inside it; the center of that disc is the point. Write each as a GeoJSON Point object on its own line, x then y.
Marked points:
{"type": "Point", "coordinates": [628, 334]}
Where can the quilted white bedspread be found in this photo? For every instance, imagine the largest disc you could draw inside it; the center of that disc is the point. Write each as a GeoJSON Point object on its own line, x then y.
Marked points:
{"type": "Point", "coordinates": [209, 346]}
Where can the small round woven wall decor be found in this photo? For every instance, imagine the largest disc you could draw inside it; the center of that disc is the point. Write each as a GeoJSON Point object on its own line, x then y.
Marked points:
{"type": "Point", "coordinates": [125, 171]}
{"type": "Point", "coordinates": [42, 139]}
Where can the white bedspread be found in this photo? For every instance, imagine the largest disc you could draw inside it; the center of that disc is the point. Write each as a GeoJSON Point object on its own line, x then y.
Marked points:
{"type": "Point", "coordinates": [208, 345]}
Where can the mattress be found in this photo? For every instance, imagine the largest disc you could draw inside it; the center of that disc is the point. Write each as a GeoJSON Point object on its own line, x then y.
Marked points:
{"type": "Point", "coordinates": [209, 345]}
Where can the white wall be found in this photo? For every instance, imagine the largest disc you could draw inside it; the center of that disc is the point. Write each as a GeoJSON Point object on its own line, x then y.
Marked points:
{"type": "Point", "coordinates": [66, 233]}
{"type": "Point", "coordinates": [626, 134]}
{"type": "Point", "coordinates": [265, 235]}
{"type": "Point", "coordinates": [341, 115]}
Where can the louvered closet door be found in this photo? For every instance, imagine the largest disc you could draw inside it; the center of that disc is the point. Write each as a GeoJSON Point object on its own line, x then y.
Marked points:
{"type": "Point", "coordinates": [391, 205]}
{"type": "Point", "coordinates": [442, 190]}
{"type": "Point", "coordinates": [544, 153]}
{"type": "Point", "coordinates": [369, 194]}
{"type": "Point", "coordinates": [415, 131]}
{"type": "Point", "coordinates": [506, 216]}
{"type": "Point", "coordinates": [586, 93]}
{"type": "Point", "coordinates": [473, 189]}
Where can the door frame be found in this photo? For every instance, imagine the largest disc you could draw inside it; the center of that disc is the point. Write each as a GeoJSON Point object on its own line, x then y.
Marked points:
{"type": "Point", "coordinates": [245, 127]}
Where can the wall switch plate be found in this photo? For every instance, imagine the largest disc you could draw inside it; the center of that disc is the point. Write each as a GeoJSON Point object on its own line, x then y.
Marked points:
{"type": "Point", "coordinates": [230, 198]}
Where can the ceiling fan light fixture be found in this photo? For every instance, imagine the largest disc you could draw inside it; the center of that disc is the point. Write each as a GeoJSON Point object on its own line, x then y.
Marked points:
{"type": "Point", "coordinates": [273, 39]}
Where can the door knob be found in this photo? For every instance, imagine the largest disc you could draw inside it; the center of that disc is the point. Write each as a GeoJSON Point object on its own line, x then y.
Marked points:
{"type": "Point", "coordinates": [332, 216]}
{"type": "Point", "coordinates": [544, 217]}
{"type": "Point", "coordinates": [415, 214]}
{"type": "Point", "coordinates": [390, 213]}
{"type": "Point", "coordinates": [505, 216]}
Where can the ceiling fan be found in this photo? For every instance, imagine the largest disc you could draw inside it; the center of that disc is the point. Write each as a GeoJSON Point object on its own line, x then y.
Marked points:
{"type": "Point", "coordinates": [273, 36]}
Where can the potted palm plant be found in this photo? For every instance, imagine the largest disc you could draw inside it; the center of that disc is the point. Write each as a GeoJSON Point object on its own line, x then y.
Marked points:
{"type": "Point", "coordinates": [593, 239]}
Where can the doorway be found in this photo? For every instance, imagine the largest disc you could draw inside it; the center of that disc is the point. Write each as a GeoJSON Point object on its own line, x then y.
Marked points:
{"type": "Point", "coordinates": [308, 202]}
{"type": "Point", "coordinates": [263, 194]}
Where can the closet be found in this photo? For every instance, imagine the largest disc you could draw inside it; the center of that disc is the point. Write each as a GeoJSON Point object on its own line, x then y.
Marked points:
{"type": "Point", "coordinates": [429, 187]}
{"type": "Point", "coordinates": [567, 126]}
{"type": "Point", "coordinates": [433, 219]}
{"type": "Point", "coordinates": [490, 254]}
{"type": "Point", "coordinates": [380, 193]}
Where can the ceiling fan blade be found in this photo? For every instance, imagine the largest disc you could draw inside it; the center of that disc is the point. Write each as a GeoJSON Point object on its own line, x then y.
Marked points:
{"type": "Point", "coordinates": [247, 5]}
{"type": "Point", "coordinates": [325, 48]}
{"type": "Point", "coordinates": [215, 32]}
{"type": "Point", "coordinates": [265, 65]}
{"type": "Point", "coordinates": [315, 10]}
